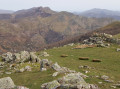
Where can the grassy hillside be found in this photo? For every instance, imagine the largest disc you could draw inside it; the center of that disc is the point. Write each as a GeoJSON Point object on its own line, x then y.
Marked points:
{"type": "Point", "coordinates": [113, 28]}
{"type": "Point", "coordinates": [109, 66]}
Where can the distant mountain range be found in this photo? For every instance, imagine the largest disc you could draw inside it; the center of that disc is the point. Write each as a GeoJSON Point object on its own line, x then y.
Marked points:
{"type": "Point", "coordinates": [100, 13]}
{"type": "Point", "coordinates": [6, 11]}
{"type": "Point", "coordinates": [34, 28]}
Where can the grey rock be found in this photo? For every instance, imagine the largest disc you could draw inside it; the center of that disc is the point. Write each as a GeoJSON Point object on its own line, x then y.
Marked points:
{"type": "Point", "coordinates": [21, 87]}
{"type": "Point", "coordinates": [69, 81]}
{"type": "Point", "coordinates": [8, 73]}
{"type": "Point", "coordinates": [59, 69]}
{"type": "Point", "coordinates": [8, 57]}
{"type": "Point", "coordinates": [6, 83]}
{"type": "Point", "coordinates": [55, 74]}
{"type": "Point", "coordinates": [45, 54]}
{"type": "Point", "coordinates": [18, 57]}
{"type": "Point", "coordinates": [104, 77]}
{"type": "Point", "coordinates": [118, 49]}
{"type": "Point", "coordinates": [116, 85]}
{"type": "Point", "coordinates": [44, 63]}
{"type": "Point", "coordinates": [51, 85]}
{"type": "Point", "coordinates": [34, 58]}
{"type": "Point", "coordinates": [21, 70]}
{"type": "Point", "coordinates": [25, 56]}
{"type": "Point", "coordinates": [28, 68]}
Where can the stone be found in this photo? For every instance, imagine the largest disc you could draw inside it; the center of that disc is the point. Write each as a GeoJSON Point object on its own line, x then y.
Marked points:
{"type": "Point", "coordinates": [43, 69]}
{"type": "Point", "coordinates": [21, 70]}
{"type": "Point", "coordinates": [28, 68]}
{"type": "Point", "coordinates": [45, 54]}
{"type": "Point", "coordinates": [69, 81]}
{"type": "Point", "coordinates": [8, 57]}
{"type": "Point", "coordinates": [21, 87]}
{"type": "Point", "coordinates": [8, 73]}
{"type": "Point", "coordinates": [59, 69]}
{"type": "Point", "coordinates": [18, 57]}
{"type": "Point", "coordinates": [116, 85]}
{"type": "Point", "coordinates": [118, 49]}
{"type": "Point", "coordinates": [55, 74]}
{"type": "Point", "coordinates": [51, 85]}
{"type": "Point", "coordinates": [34, 58]}
{"type": "Point", "coordinates": [44, 63]}
{"type": "Point", "coordinates": [2, 63]}
{"type": "Point", "coordinates": [6, 83]}
{"type": "Point", "coordinates": [104, 77]}
{"type": "Point", "coordinates": [56, 67]}
{"type": "Point", "coordinates": [100, 82]}
{"type": "Point", "coordinates": [25, 56]}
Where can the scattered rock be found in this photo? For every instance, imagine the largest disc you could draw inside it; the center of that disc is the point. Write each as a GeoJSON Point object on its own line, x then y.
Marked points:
{"type": "Point", "coordinates": [6, 83]}
{"type": "Point", "coordinates": [8, 73]}
{"type": "Point", "coordinates": [21, 87]}
{"type": "Point", "coordinates": [85, 67]}
{"type": "Point", "coordinates": [44, 63]}
{"type": "Point", "coordinates": [45, 54]}
{"type": "Point", "coordinates": [104, 77]}
{"type": "Point", "coordinates": [69, 81]}
{"type": "Point", "coordinates": [43, 69]}
{"type": "Point", "coordinates": [8, 57]}
{"type": "Point", "coordinates": [25, 56]}
{"type": "Point", "coordinates": [118, 49]}
{"type": "Point", "coordinates": [116, 85]}
{"type": "Point", "coordinates": [51, 85]}
{"type": "Point", "coordinates": [22, 70]}
{"type": "Point", "coordinates": [100, 82]}
{"type": "Point", "coordinates": [55, 74]}
{"type": "Point", "coordinates": [34, 58]}
{"type": "Point", "coordinates": [28, 68]}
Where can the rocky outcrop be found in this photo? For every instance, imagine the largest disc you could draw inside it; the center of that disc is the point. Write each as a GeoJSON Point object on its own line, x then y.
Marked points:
{"type": "Point", "coordinates": [69, 81]}
{"type": "Point", "coordinates": [23, 56]}
{"type": "Point", "coordinates": [99, 39]}
{"type": "Point", "coordinates": [8, 57]}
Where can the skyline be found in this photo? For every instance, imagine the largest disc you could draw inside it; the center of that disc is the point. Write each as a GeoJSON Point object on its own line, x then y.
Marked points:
{"type": "Point", "coordinates": [73, 5]}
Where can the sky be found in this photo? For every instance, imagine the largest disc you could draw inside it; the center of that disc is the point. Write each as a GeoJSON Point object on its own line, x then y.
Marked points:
{"type": "Point", "coordinates": [61, 5]}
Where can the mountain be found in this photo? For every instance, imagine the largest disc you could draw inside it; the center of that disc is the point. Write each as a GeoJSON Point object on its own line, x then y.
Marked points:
{"type": "Point", "coordinates": [101, 13]}
{"type": "Point", "coordinates": [6, 11]}
{"type": "Point", "coordinates": [38, 27]}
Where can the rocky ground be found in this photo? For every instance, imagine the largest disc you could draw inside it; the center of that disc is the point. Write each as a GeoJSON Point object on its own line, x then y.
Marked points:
{"type": "Point", "coordinates": [83, 71]}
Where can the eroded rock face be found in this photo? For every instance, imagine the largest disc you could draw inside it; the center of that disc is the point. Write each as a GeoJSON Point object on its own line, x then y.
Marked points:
{"type": "Point", "coordinates": [70, 81]}
{"type": "Point", "coordinates": [6, 83]}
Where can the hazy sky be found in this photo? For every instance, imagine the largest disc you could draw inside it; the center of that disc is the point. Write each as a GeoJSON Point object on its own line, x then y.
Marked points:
{"type": "Point", "coordinates": [61, 5]}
